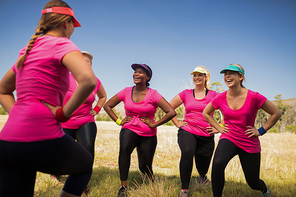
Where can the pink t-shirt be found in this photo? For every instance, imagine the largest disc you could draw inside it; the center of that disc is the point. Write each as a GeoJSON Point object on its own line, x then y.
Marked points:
{"type": "Point", "coordinates": [146, 108]}
{"type": "Point", "coordinates": [41, 78]}
{"type": "Point", "coordinates": [237, 120]}
{"type": "Point", "coordinates": [81, 116]}
{"type": "Point", "coordinates": [197, 124]}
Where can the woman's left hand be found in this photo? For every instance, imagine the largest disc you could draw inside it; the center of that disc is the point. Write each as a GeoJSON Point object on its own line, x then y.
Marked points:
{"type": "Point", "coordinates": [252, 131]}
{"type": "Point", "coordinates": [148, 121]}
{"type": "Point", "coordinates": [212, 130]}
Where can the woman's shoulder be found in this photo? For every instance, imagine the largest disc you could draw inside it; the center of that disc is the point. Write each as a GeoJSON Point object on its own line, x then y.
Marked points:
{"type": "Point", "coordinates": [52, 42]}
{"type": "Point", "coordinates": [186, 91]}
{"type": "Point", "coordinates": [255, 95]}
{"type": "Point", "coordinates": [126, 89]}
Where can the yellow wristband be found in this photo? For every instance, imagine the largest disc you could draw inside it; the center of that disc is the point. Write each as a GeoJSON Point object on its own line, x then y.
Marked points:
{"type": "Point", "coordinates": [221, 125]}
{"type": "Point", "coordinates": [118, 121]}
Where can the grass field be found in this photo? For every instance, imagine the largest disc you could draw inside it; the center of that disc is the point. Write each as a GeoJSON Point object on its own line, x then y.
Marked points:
{"type": "Point", "coordinates": [278, 168]}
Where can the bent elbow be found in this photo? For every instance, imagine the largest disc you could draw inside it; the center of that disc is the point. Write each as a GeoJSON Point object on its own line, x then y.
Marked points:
{"type": "Point", "coordinates": [93, 83]}
{"type": "Point", "coordinates": [279, 114]}
{"type": "Point", "coordinates": [173, 114]}
{"type": "Point", "coordinates": [204, 114]}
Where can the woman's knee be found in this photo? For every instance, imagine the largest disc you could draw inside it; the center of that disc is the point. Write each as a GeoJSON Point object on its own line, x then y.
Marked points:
{"type": "Point", "coordinates": [218, 165]}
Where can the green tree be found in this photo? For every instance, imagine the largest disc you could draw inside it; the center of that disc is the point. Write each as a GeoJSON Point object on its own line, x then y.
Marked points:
{"type": "Point", "coordinates": [261, 118]}
{"type": "Point", "coordinates": [283, 108]}
{"type": "Point", "coordinates": [217, 86]}
{"type": "Point", "coordinates": [106, 117]}
{"type": "Point", "coordinates": [159, 114]}
{"type": "Point", "coordinates": [180, 111]}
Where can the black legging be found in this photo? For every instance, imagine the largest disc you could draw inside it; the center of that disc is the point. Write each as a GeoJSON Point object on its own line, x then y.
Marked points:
{"type": "Point", "coordinates": [145, 148]}
{"type": "Point", "coordinates": [250, 162]}
{"type": "Point", "coordinates": [19, 162]}
{"type": "Point", "coordinates": [194, 146]}
{"type": "Point", "coordinates": [85, 135]}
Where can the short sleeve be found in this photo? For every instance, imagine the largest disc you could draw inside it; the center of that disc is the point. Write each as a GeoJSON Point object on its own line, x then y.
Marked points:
{"type": "Point", "coordinates": [155, 96]}
{"type": "Point", "coordinates": [13, 68]}
{"type": "Point", "coordinates": [121, 94]}
{"type": "Point", "coordinates": [216, 100]}
{"type": "Point", "coordinates": [182, 95]}
{"type": "Point", "coordinates": [21, 52]}
{"type": "Point", "coordinates": [260, 99]}
{"type": "Point", "coordinates": [63, 47]}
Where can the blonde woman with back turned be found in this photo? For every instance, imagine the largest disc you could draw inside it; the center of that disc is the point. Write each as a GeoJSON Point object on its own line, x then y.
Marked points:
{"type": "Point", "coordinates": [32, 139]}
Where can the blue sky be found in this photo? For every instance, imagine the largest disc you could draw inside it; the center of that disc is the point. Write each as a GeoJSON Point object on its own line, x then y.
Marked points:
{"type": "Point", "coordinates": [172, 37]}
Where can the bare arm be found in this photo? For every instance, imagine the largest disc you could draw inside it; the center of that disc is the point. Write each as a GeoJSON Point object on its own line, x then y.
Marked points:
{"type": "Point", "coordinates": [7, 86]}
{"type": "Point", "coordinates": [209, 109]}
{"type": "Point", "coordinates": [167, 108]}
{"type": "Point", "coordinates": [112, 102]}
{"type": "Point", "coordinates": [85, 78]}
{"type": "Point", "coordinates": [176, 102]}
{"type": "Point", "coordinates": [102, 95]}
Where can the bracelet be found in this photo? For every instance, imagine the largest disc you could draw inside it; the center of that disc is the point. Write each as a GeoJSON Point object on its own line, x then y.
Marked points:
{"type": "Point", "coordinates": [262, 131]}
{"type": "Point", "coordinates": [118, 121]}
{"type": "Point", "coordinates": [97, 109]}
{"type": "Point", "coordinates": [60, 116]}
{"type": "Point", "coordinates": [221, 125]}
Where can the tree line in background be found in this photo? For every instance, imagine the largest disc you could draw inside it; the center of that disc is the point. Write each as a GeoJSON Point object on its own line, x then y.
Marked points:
{"type": "Point", "coordinates": [286, 123]}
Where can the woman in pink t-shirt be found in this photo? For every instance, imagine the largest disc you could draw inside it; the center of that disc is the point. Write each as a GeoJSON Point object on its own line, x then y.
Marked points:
{"type": "Point", "coordinates": [138, 127]}
{"type": "Point", "coordinates": [32, 139]}
{"type": "Point", "coordinates": [193, 137]}
{"type": "Point", "coordinates": [81, 126]}
{"type": "Point", "coordinates": [239, 136]}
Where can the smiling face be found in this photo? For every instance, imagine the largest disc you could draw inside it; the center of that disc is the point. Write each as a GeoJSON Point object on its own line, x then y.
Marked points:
{"type": "Point", "coordinates": [233, 78]}
{"type": "Point", "coordinates": [140, 76]}
{"type": "Point", "coordinates": [199, 79]}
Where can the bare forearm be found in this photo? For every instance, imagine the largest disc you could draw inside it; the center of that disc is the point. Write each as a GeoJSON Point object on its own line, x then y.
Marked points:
{"type": "Point", "coordinates": [7, 101]}
{"type": "Point", "coordinates": [175, 121]}
{"type": "Point", "coordinates": [166, 118]}
{"type": "Point", "coordinates": [101, 102]}
{"type": "Point", "coordinates": [110, 112]}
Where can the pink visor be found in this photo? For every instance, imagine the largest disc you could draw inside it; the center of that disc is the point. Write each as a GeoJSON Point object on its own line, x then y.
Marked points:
{"type": "Point", "coordinates": [62, 10]}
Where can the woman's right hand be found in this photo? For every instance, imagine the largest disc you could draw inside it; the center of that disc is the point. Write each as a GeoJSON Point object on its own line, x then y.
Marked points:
{"type": "Point", "coordinates": [224, 129]}
{"type": "Point", "coordinates": [126, 119]}
{"type": "Point", "coordinates": [182, 124]}
{"type": "Point", "coordinates": [51, 108]}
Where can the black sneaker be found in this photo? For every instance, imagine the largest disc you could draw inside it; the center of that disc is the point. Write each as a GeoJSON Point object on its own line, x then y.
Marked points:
{"type": "Point", "coordinates": [122, 191]}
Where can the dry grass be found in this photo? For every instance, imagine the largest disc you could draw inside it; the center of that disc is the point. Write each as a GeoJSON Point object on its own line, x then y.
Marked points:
{"type": "Point", "coordinates": [278, 168]}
